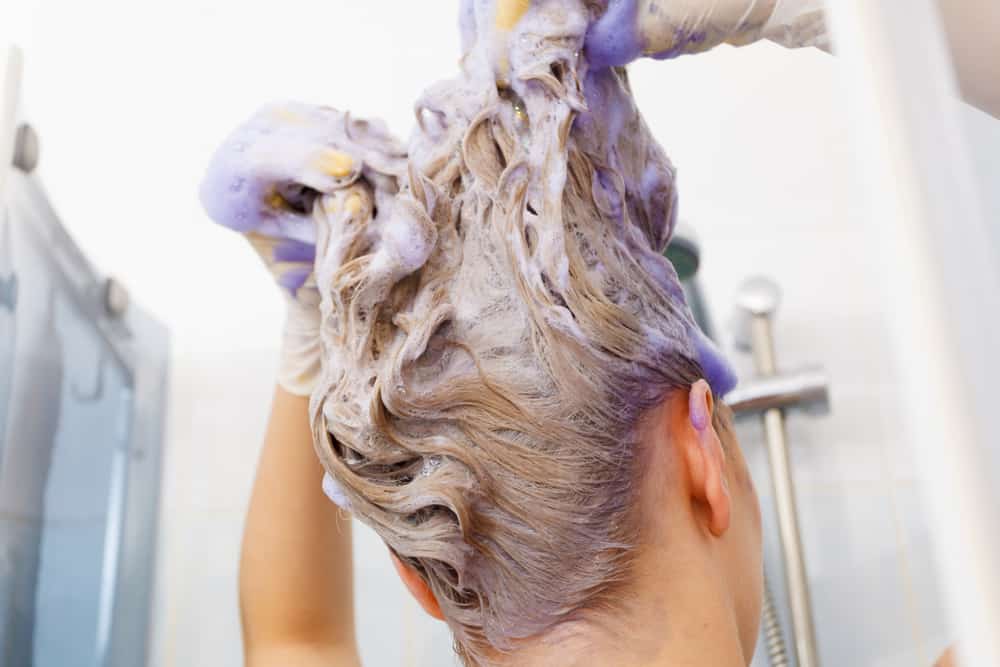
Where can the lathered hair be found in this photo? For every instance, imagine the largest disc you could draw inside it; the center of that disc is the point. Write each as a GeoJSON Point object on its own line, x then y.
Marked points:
{"type": "Point", "coordinates": [497, 316]}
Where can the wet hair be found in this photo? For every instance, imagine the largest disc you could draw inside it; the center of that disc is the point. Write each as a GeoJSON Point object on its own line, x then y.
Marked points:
{"type": "Point", "coordinates": [497, 316]}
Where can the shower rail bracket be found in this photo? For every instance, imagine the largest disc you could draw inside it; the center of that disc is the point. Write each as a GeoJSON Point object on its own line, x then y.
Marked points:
{"type": "Point", "coordinates": [770, 395]}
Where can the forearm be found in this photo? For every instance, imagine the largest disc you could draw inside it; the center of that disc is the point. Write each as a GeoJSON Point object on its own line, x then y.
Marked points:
{"type": "Point", "coordinates": [632, 29]}
{"type": "Point", "coordinates": [295, 570]}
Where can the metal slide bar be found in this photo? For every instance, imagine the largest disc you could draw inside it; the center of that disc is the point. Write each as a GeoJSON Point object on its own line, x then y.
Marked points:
{"type": "Point", "coordinates": [941, 278]}
{"type": "Point", "coordinates": [758, 300]}
{"type": "Point", "coordinates": [806, 390]}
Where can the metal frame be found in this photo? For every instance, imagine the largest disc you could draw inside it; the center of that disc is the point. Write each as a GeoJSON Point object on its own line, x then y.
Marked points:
{"type": "Point", "coordinates": [769, 395]}
{"type": "Point", "coordinates": [10, 92]}
{"type": "Point", "coordinates": [942, 289]}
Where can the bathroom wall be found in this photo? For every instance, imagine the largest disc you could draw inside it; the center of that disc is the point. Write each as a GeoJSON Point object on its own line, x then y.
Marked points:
{"type": "Point", "coordinates": [129, 110]}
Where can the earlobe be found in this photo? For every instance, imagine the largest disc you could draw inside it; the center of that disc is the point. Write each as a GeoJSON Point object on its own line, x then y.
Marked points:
{"type": "Point", "coordinates": [417, 587]}
{"type": "Point", "coordinates": [707, 460]}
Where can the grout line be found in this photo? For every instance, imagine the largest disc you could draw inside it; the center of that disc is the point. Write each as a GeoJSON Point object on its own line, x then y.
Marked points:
{"type": "Point", "coordinates": [906, 568]}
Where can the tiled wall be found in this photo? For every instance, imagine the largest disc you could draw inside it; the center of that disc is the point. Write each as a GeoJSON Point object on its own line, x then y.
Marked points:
{"type": "Point", "coordinates": [767, 177]}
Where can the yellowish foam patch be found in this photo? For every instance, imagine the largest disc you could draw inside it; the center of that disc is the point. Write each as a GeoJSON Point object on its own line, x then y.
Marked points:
{"type": "Point", "coordinates": [274, 200]}
{"type": "Point", "coordinates": [288, 116]}
{"type": "Point", "coordinates": [336, 163]}
{"type": "Point", "coordinates": [509, 12]}
{"type": "Point", "coordinates": [353, 204]}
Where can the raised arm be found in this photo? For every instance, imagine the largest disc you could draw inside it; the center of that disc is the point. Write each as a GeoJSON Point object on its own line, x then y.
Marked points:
{"type": "Point", "coordinates": [265, 181]}
{"type": "Point", "coordinates": [662, 29]}
{"type": "Point", "coordinates": [296, 598]}
{"type": "Point", "coordinates": [631, 29]}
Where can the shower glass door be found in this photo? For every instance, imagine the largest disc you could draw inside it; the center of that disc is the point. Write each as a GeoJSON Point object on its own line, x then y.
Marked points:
{"type": "Point", "coordinates": [81, 398]}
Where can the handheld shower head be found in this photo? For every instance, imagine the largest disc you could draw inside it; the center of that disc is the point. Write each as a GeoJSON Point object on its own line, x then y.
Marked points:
{"type": "Point", "coordinates": [684, 252]}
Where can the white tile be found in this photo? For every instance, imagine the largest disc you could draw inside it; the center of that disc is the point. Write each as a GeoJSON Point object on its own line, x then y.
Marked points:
{"type": "Point", "coordinates": [196, 621]}
{"type": "Point", "coordinates": [936, 627]}
{"type": "Point", "coordinates": [218, 410]}
{"type": "Point", "coordinates": [861, 609]}
{"type": "Point", "coordinates": [432, 645]}
{"type": "Point", "coordinates": [384, 608]}
{"type": "Point", "coordinates": [820, 460]}
{"type": "Point", "coordinates": [381, 602]}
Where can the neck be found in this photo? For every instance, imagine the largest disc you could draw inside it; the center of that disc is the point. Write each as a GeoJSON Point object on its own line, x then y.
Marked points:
{"type": "Point", "coordinates": [678, 613]}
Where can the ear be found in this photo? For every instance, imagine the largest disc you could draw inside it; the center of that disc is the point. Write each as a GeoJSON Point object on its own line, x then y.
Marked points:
{"type": "Point", "coordinates": [702, 454]}
{"type": "Point", "coordinates": [418, 587]}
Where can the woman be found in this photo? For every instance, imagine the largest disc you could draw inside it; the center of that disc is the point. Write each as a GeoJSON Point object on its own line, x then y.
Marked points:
{"type": "Point", "coordinates": [506, 383]}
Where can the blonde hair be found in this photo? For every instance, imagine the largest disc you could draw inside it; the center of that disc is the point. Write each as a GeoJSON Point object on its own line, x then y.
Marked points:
{"type": "Point", "coordinates": [497, 317]}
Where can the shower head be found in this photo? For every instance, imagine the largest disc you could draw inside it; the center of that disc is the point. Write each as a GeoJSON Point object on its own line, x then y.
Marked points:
{"type": "Point", "coordinates": [684, 252]}
{"type": "Point", "coordinates": [757, 297]}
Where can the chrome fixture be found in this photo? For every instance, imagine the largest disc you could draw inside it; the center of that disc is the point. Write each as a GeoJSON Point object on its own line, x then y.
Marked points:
{"type": "Point", "coordinates": [26, 149]}
{"type": "Point", "coordinates": [116, 298]}
{"type": "Point", "coordinates": [807, 390]}
{"type": "Point", "coordinates": [771, 395]}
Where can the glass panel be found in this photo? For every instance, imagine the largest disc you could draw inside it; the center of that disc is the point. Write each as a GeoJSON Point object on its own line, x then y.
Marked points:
{"type": "Point", "coordinates": [8, 303]}
{"type": "Point", "coordinates": [83, 503]}
{"type": "Point", "coordinates": [35, 382]}
{"type": "Point", "coordinates": [63, 475]}
{"type": "Point", "coordinates": [983, 133]}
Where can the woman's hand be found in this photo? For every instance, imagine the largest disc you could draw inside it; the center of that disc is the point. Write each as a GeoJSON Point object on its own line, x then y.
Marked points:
{"type": "Point", "coordinates": [263, 182]}
{"type": "Point", "coordinates": [631, 29]}
{"type": "Point", "coordinates": [661, 29]}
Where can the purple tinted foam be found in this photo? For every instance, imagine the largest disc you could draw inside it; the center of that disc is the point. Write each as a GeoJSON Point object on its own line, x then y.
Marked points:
{"type": "Point", "coordinates": [229, 197]}
{"type": "Point", "coordinates": [682, 40]}
{"type": "Point", "coordinates": [295, 278]}
{"type": "Point", "coordinates": [613, 39]}
{"type": "Point", "coordinates": [718, 372]}
{"type": "Point", "coordinates": [467, 24]}
{"type": "Point", "coordinates": [294, 251]}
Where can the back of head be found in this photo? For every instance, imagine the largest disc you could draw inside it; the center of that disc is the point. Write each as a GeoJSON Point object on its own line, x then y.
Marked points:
{"type": "Point", "coordinates": [495, 330]}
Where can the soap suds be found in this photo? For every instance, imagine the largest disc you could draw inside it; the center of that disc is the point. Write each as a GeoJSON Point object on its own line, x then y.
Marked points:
{"type": "Point", "coordinates": [497, 315]}
{"type": "Point", "coordinates": [517, 278]}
